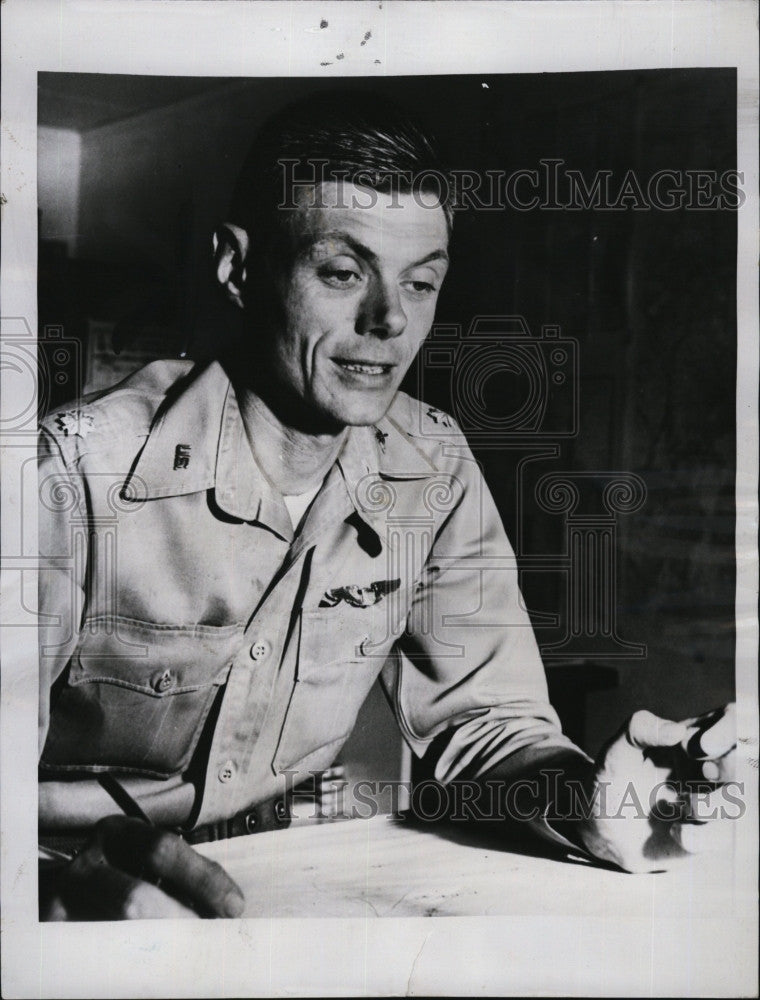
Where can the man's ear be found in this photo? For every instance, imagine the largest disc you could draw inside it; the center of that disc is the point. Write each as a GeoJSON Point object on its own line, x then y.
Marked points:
{"type": "Point", "coordinates": [230, 252]}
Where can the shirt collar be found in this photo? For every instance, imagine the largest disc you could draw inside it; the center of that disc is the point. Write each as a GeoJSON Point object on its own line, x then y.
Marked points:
{"type": "Point", "coordinates": [179, 455]}
{"type": "Point", "coordinates": [373, 461]}
{"type": "Point", "coordinates": [197, 441]}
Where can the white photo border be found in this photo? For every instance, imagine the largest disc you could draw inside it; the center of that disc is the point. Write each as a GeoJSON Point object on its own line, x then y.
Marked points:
{"type": "Point", "coordinates": [438, 956]}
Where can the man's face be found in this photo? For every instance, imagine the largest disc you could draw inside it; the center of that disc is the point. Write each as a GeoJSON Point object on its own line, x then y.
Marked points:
{"type": "Point", "coordinates": [358, 302]}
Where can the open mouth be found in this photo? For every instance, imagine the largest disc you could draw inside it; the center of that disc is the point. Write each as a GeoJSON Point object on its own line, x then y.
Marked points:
{"type": "Point", "coordinates": [363, 367]}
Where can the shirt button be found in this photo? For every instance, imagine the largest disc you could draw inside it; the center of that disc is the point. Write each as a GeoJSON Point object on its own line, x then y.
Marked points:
{"type": "Point", "coordinates": [259, 650]}
{"type": "Point", "coordinates": [164, 681]}
{"type": "Point", "coordinates": [227, 771]}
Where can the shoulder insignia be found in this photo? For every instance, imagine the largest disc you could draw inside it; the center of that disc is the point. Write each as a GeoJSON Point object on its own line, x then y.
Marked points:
{"type": "Point", "coordinates": [75, 422]}
{"type": "Point", "coordinates": [439, 417]}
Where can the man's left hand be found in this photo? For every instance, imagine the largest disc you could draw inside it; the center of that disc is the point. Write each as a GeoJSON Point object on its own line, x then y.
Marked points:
{"type": "Point", "coordinates": [656, 788]}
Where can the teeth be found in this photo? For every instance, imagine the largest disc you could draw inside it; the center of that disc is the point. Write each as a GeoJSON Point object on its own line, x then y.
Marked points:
{"type": "Point", "coordinates": [364, 369]}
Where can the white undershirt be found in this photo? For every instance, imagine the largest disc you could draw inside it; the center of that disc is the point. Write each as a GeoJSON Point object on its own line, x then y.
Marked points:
{"type": "Point", "coordinates": [297, 504]}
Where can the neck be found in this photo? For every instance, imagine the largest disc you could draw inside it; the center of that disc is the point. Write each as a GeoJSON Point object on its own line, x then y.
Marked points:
{"type": "Point", "coordinates": [293, 460]}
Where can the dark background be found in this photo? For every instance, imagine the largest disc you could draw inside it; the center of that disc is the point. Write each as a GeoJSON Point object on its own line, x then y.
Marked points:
{"type": "Point", "coordinates": [134, 173]}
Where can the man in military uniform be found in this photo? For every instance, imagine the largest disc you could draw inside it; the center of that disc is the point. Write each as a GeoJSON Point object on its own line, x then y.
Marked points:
{"type": "Point", "coordinates": [233, 552]}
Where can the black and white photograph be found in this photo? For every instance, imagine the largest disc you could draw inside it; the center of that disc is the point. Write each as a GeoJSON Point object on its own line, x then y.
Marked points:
{"type": "Point", "coordinates": [379, 499]}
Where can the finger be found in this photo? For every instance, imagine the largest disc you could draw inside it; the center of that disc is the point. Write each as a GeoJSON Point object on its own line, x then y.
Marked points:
{"type": "Point", "coordinates": [50, 874]}
{"type": "Point", "coordinates": [54, 910]}
{"type": "Point", "coordinates": [93, 889]}
{"type": "Point", "coordinates": [165, 856]}
{"type": "Point", "coordinates": [189, 874]}
{"type": "Point", "coordinates": [646, 730]}
{"type": "Point", "coordinates": [722, 769]}
{"type": "Point", "coordinates": [720, 738]}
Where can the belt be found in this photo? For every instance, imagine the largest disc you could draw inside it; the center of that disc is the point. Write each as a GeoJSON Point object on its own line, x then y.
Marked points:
{"type": "Point", "coordinates": [272, 814]}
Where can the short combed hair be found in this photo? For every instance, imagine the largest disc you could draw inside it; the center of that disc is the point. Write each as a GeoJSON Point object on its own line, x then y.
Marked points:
{"type": "Point", "coordinates": [347, 135]}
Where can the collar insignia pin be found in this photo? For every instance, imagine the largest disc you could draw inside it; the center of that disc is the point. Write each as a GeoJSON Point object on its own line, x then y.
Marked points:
{"type": "Point", "coordinates": [181, 456]}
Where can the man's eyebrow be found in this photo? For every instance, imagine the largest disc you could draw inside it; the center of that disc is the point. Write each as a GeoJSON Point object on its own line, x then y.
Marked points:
{"type": "Point", "coordinates": [361, 250]}
{"type": "Point", "coordinates": [435, 255]}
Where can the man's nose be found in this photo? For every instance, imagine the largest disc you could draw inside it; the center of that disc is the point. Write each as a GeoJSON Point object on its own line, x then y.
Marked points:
{"type": "Point", "coordinates": [382, 313]}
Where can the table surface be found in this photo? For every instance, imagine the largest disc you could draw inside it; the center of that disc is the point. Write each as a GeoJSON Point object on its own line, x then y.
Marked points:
{"type": "Point", "coordinates": [389, 867]}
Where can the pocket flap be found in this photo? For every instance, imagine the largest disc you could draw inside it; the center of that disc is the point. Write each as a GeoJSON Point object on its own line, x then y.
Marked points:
{"type": "Point", "coordinates": [154, 659]}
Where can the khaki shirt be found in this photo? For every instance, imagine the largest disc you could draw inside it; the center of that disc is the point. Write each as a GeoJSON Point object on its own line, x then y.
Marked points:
{"type": "Point", "coordinates": [200, 648]}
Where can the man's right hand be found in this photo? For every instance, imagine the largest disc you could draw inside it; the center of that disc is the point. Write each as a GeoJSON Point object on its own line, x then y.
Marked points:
{"type": "Point", "coordinates": [130, 870]}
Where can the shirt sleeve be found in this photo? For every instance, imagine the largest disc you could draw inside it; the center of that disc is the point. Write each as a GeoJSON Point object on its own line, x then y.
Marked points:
{"type": "Point", "coordinates": [468, 664]}
{"type": "Point", "coordinates": [62, 540]}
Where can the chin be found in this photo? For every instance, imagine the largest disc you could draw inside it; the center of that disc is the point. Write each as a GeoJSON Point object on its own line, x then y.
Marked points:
{"type": "Point", "coordinates": [362, 414]}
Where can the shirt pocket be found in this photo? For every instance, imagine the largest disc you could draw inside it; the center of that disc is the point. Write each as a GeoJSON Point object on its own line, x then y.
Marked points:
{"type": "Point", "coordinates": [341, 652]}
{"type": "Point", "coordinates": [137, 695]}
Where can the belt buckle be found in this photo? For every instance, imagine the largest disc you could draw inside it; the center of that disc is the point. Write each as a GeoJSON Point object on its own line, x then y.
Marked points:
{"type": "Point", "coordinates": [280, 811]}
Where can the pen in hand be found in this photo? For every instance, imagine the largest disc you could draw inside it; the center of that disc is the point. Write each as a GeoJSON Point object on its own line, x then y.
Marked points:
{"type": "Point", "coordinates": [710, 742]}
